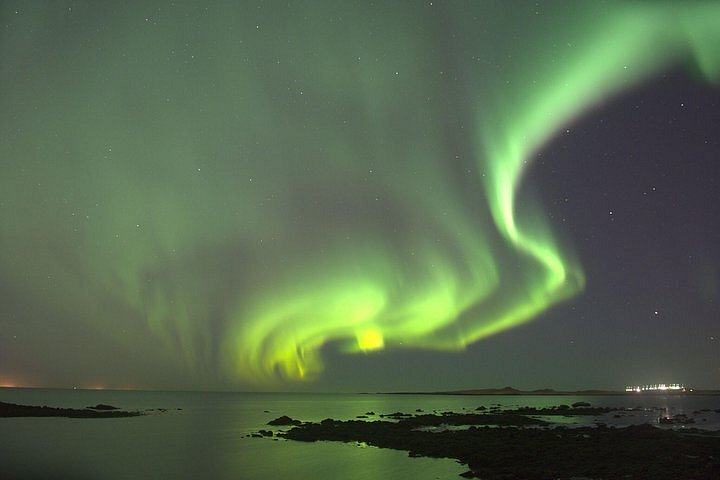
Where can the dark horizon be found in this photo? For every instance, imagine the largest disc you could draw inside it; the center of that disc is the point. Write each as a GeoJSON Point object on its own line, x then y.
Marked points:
{"type": "Point", "coordinates": [428, 391]}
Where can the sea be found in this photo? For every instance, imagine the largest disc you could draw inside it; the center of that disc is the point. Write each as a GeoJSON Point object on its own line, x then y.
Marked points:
{"type": "Point", "coordinates": [206, 435]}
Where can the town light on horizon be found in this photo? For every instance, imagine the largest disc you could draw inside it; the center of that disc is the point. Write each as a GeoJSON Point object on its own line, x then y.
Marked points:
{"type": "Point", "coordinates": [657, 387]}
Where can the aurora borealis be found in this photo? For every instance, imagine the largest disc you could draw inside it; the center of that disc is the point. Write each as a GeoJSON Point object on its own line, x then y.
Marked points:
{"type": "Point", "coordinates": [263, 195]}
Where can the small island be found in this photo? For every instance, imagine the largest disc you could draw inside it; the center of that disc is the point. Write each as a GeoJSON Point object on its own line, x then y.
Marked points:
{"type": "Point", "coordinates": [97, 411]}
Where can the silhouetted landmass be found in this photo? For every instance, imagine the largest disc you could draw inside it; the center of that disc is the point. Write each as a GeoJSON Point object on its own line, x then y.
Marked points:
{"type": "Point", "coordinates": [514, 391]}
{"type": "Point", "coordinates": [102, 406]}
{"type": "Point", "coordinates": [513, 452]}
{"type": "Point", "coordinates": [99, 411]}
{"type": "Point", "coordinates": [552, 392]}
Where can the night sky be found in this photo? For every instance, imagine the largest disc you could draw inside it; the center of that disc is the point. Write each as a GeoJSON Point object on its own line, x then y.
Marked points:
{"type": "Point", "coordinates": [359, 196]}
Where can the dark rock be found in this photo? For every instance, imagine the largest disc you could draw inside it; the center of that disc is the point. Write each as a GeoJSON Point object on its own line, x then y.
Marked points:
{"type": "Point", "coordinates": [498, 419]}
{"type": "Point", "coordinates": [563, 410]}
{"type": "Point", "coordinates": [679, 419]}
{"type": "Point", "coordinates": [265, 433]}
{"type": "Point", "coordinates": [481, 408]}
{"type": "Point", "coordinates": [370, 413]}
{"type": "Point", "coordinates": [396, 415]}
{"type": "Point", "coordinates": [102, 406]}
{"type": "Point", "coordinates": [284, 420]}
{"type": "Point", "coordinates": [580, 404]}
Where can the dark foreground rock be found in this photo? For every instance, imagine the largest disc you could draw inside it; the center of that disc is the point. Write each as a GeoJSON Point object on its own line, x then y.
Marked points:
{"type": "Point", "coordinates": [458, 419]}
{"type": "Point", "coordinates": [284, 420]}
{"type": "Point", "coordinates": [635, 452]}
{"type": "Point", "coordinates": [563, 410]}
{"type": "Point", "coordinates": [15, 410]}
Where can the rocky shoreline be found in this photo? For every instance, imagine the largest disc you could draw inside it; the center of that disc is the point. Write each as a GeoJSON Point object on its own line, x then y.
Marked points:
{"type": "Point", "coordinates": [515, 444]}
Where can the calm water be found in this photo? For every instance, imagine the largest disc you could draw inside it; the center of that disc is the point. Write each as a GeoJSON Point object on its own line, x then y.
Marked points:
{"type": "Point", "coordinates": [207, 438]}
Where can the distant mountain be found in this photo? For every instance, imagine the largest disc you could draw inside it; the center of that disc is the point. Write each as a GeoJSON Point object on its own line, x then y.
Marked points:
{"type": "Point", "coordinates": [549, 391]}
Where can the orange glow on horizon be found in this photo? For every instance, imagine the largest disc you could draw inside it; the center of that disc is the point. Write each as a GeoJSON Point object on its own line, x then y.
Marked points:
{"type": "Point", "coordinates": [8, 382]}
{"type": "Point", "coordinates": [18, 382]}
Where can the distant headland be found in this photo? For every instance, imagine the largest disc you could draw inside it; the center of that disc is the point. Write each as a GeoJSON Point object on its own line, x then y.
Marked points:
{"type": "Point", "coordinates": [553, 392]}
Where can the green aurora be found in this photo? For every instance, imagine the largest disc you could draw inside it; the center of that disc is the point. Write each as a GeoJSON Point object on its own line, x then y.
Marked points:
{"type": "Point", "coordinates": [248, 185]}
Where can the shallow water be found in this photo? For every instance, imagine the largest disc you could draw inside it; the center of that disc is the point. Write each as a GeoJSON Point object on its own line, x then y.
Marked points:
{"type": "Point", "coordinates": [207, 438]}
